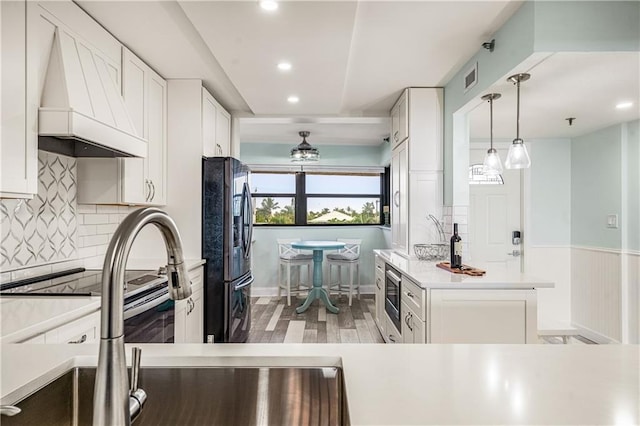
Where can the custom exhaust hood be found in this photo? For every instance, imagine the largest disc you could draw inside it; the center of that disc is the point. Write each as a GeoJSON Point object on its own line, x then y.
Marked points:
{"type": "Point", "coordinates": [82, 113]}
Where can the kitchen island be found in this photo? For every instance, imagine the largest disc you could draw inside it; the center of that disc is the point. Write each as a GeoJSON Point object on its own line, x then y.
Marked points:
{"type": "Point", "coordinates": [418, 302]}
{"type": "Point", "coordinates": [405, 384]}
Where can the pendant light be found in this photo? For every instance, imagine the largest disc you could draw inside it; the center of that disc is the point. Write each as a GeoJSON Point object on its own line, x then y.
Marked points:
{"type": "Point", "coordinates": [492, 165]}
{"type": "Point", "coordinates": [304, 151]}
{"type": "Point", "coordinates": [518, 157]}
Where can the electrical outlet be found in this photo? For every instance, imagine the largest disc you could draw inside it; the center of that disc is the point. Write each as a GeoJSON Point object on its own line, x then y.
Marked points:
{"type": "Point", "coordinates": [612, 221]}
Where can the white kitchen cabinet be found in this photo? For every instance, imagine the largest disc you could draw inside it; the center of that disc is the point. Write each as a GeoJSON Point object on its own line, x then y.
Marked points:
{"type": "Point", "coordinates": [412, 325]}
{"type": "Point", "coordinates": [391, 334]}
{"type": "Point", "coordinates": [416, 166]}
{"type": "Point", "coordinates": [483, 316]}
{"type": "Point", "coordinates": [133, 181]}
{"type": "Point", "coordinates": [399, 198]}
{"type": "Point", "coordinates": [189, 320]}
{"type": "Point", "coordinates": [216, 127]}
{"type": "Point", "coordinates": [20, 99]}
{"type": "Point", "coordinates": [413, 312]}
{"type": "Point", "coordinates": [400, 120]}
{"type": "Point", "coordinates": [82, 330]}
{"type": "Point", "coordinates": [379, 294]}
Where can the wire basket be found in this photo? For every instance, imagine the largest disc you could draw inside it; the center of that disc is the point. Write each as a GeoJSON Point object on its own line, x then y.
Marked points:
{"type": "Point", "coordinates": [431, 251]}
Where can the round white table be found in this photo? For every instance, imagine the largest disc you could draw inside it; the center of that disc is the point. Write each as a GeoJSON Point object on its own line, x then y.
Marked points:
{"type": "Point", "coordinates": [317, 292]}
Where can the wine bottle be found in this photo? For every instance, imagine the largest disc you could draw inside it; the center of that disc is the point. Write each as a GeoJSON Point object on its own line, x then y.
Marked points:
{"type": "Point", "coordinates": [456, 248]}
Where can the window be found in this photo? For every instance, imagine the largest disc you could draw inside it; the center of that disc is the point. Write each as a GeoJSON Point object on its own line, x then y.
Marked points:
{"type": "Point", "coordinates": [316, 198]}
{"type": "Point", "coordinates": [476, 177]}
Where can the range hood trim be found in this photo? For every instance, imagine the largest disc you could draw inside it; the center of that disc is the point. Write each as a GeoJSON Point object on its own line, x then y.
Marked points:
{"type": "Point", "coordinates": [68, 124]}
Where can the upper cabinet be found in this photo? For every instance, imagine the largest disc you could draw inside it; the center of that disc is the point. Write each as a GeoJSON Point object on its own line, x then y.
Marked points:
{"type": "Point", "coordinates": [400, 120]}
{"type": "Point", "coordinates": [416, 166]}
{"type": "Point", "coordinates": [18, 132]}
{"type": "Point", "coordinates": [139, 181]}
{"type": "Point", "coordinates": [216, 127]}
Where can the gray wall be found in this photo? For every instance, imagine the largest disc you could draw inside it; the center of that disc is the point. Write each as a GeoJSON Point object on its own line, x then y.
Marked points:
{"type": "Point", "coordinates": [633, 182]}
{"type": "Point", "coordinates": [596, 187]}
{"type": "Point", "coordinates": [550, 198]}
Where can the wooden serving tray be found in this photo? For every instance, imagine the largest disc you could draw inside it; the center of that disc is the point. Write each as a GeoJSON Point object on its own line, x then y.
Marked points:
{"type": "Point", "coordinates": [466, 269]}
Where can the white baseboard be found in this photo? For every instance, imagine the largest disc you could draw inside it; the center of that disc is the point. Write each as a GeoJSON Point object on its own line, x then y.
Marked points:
{"type": "Point", "coordinates": [273, 290]}
{"type": "Point", "coordinates": [593, 335]}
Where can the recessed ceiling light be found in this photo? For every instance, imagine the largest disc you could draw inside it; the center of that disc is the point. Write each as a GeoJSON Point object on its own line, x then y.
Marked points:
{"type": "Point", "coordinates": [293, 99]}
{"type": "Point", "coordinates": [284, 66]}
{"type": "Point", "coordinates": [269, 5]}
{"type": "Point", "coordinates": [624, 105]}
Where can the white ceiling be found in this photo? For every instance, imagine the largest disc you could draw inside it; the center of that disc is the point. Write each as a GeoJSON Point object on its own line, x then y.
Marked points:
{"type": "Point", "coordinates": [586, 86]}
{"type": "Point", "coordinates": [351, 60]}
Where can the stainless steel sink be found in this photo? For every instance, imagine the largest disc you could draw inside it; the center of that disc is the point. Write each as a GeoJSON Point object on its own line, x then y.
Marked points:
{"type": "Point", "coordinates": [201, 396]}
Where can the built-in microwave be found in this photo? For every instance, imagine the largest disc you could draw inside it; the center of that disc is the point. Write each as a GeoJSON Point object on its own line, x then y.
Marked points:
{"type": "Point", "coordinates": [392, 288]}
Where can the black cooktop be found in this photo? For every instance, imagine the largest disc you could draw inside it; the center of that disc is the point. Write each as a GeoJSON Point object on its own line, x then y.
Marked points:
{"type": "Point", "coordinates": [79, 282]}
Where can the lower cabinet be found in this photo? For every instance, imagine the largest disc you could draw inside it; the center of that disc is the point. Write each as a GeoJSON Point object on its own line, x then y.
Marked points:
{"type": "Point", "coordinates": [390, 334]}
{"type": "Point", "coordinates": [83, 330]}
{"type": "Point", "coordinates": [379, 295]}
{"type": "Point", "coordinates": [189, 321]}
{"type": "Point", "coordinates": [434, 315]}
{"type": "Point", "coordinates": [413, 327]}
{"type": "Point", "coordinates": [483, 316]}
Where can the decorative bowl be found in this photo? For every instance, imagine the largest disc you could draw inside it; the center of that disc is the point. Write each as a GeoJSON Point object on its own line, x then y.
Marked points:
{"type": "Point", "coordinates": [431, 251]}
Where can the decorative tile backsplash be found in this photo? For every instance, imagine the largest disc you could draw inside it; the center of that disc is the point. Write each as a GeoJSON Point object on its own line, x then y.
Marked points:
{"type": "Point", "coordinates": [44, 229]}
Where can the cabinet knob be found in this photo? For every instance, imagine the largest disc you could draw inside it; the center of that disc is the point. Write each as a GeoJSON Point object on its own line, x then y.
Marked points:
{"type": "Point", "coordinates": [396, 198]}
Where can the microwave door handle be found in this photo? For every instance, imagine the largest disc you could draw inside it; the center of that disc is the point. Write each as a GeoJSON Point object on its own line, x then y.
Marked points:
{"type": "Point", "coordinates": [393, 277]}
{"type": "Point", "coordinates": [244, 284]}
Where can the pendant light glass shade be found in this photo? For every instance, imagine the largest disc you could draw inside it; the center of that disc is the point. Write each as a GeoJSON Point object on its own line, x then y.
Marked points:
{"type": "Point", "coordinates": [518, 157]}
{"type": "Point", "coordinates": [492, 164]}
{"type": "Point", "coordinates": [304, 152]}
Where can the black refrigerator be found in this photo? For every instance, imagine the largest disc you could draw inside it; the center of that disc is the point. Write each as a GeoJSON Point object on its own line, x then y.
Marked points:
{"type": "Point", "coordinates": [227, 227]}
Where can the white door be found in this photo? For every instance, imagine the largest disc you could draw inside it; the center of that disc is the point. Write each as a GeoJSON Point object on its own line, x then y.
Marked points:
{"type": "Point", "coordinates": [494, 214]}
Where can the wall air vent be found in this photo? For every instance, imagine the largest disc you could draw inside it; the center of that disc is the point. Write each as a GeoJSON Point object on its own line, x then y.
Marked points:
{"type": "Point", "coordinates": [471, 77]}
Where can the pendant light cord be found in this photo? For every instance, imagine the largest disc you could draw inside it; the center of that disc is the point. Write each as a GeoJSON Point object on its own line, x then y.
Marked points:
{"type": "Point", "coordinates": [491, 120]}
{"type": "Point", "coordinates": [518, 109]}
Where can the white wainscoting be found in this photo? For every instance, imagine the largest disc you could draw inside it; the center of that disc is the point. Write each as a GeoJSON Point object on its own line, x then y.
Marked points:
{"type": "Point", "coordinates": [632, 261]}
{"type": "Point", "coordinates": [554, 264]}
{"type": "Point", "coordinates": [596, 293]}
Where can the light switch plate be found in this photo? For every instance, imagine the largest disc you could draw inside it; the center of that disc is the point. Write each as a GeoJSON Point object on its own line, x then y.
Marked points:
{"type": "Point", "coordinates": [612, 221]}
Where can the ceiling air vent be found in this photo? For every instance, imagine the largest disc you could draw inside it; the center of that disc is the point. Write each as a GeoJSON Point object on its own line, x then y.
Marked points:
{"type": "Point", "coordinates": [471, 77]}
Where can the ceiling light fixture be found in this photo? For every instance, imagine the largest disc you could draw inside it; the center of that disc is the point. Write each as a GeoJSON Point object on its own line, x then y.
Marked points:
{"type": "Point", "coordinates": [293, 99]}
{"type": "Point", "coordinates": [284, 66]}
{"type": "Point", "coordinates": [304, 151]}
{"type": "Point", "coordinates": [518, 157]}
{"type": "Point", "coordinates": [269, 5]}
{"type": "Point", "coordinates": [624, 105]}
{"type": "Point", "coordinates": [492, 165]}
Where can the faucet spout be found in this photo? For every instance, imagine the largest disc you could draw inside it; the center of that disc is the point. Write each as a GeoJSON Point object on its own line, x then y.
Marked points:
{"type": "Point", "coordinates": [111, 393]}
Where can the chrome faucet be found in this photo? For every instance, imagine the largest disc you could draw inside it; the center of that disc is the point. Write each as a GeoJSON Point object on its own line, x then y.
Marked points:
{"type": "Point", "coordinates": [114, 403]}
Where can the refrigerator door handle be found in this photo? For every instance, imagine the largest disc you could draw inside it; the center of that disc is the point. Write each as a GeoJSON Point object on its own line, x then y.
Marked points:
{"type": "Point", "coordinates": [246, 194]}
{"type": "Point", "coordinates": [243, 284]}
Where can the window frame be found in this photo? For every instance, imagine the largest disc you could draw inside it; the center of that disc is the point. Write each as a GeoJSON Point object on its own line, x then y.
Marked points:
{"type": "Point", "coordinates": [300, 198]}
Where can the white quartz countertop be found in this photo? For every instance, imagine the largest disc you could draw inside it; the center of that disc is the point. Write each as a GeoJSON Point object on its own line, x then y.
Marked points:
{"type": "Point", "coordinates": [405, 384]}
{"type": "Point", "coordinates": [428, 275]}
{"type": "Point", "coordinates": [25, 317]}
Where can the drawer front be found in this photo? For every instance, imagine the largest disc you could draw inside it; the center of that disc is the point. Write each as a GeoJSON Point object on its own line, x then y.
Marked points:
{"type": "Point", "coordinates": [414, 296]}
{"type": "Point", "coordinates": [82, 330]}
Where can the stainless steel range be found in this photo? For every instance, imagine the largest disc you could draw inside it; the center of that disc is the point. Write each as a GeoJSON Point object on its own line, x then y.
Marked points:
{"type": "Point", "coordinates": [148, 311]}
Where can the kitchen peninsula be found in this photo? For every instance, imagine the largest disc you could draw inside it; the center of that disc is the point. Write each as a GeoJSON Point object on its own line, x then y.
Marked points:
{"type": "Point", "coordinates": [403, 384]}
{"type": "Point", "coordinates": [417, 302]}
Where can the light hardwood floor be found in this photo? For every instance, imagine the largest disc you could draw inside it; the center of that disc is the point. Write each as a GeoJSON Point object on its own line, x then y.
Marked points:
{"type": "Point", "coordinates": [273, 321]}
